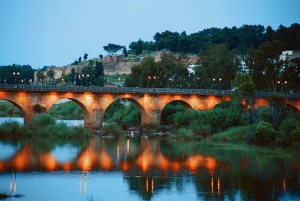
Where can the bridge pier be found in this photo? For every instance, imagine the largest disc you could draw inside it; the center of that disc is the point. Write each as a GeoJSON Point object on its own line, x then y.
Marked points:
{"type": "Point", "coordinates": [93, 119]}
{"type": "Point", "coordinates": [155, 117]}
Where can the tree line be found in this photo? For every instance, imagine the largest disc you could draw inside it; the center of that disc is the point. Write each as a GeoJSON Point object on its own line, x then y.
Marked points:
{"type": "Point", "coordinates": [235, 38]}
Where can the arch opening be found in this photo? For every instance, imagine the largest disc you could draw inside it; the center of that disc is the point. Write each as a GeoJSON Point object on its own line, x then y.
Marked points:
{"type": "Point", "coordinates": [11, 111]}
{"type": "Point", "coordinates": [68, 111]}
{"type": "Point", "coordinates": [126, 112]}
{"type": "Point", "coordinates": [169, 111]}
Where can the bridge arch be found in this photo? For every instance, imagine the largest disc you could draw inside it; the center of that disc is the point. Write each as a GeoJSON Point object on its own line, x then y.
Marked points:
{"type": "Point", "coordinates": [144, 116]}
{"type": "Point", "coordinates": [23, 112]}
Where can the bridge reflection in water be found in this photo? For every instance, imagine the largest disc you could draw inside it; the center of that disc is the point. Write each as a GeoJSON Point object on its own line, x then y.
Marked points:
{"type": "Point", "coordinates": [146, 164]}
{"type": "Point", "coordinates": [142, 157]}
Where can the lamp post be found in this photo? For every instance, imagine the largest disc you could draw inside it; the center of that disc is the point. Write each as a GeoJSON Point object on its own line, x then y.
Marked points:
{"type": "Point", "coordinates": [215, 80]}
{"type": "Point", "coordinates": [15, 74]}
{"type": "Point", "coordinates": [88, 79]}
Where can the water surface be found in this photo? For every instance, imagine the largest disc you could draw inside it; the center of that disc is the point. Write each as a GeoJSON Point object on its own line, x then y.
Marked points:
{"type": "Point", "coordinates": [146, 169]}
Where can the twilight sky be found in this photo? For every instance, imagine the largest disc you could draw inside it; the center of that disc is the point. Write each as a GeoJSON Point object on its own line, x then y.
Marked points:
{"type": "Point", "coordinates": [56, 32]}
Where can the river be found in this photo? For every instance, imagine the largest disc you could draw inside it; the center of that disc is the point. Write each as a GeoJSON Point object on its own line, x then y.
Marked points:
{"type": "Point", "coordinates": [146, 169]}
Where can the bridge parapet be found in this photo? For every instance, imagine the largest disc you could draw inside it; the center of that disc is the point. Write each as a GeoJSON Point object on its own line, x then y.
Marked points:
{"type": "Point", "coordinates": [98, 89]}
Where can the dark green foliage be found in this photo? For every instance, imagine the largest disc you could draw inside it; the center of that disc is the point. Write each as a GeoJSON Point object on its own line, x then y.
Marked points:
{"type": "Point", "coordinates": [12, 129]}
{"type": "Point", "coordinates": [112, 128]}
{"type": "Point", "coordinates": [112, 48]}
{"type": "Point", "coordinates": [45, 126]}
{"type": "Point", "coordinates": [264, 133]}
{"type": "Point", "coordinates": [275, 112]}
{"type": "Point", "coordinates": [169, 73]}
{"type": "Point", "coordinates": [184, 118]}
{"type": "Point", "coordinates": [67, 110]}
{"type": "Point", "coordinates": [37, 108]}
{"type": "Point", "coordinates": [123, 111]}
{"type": "Point", "coordinates": [169, 111]}
{"type": "Point", "coordinates": [7, 109]}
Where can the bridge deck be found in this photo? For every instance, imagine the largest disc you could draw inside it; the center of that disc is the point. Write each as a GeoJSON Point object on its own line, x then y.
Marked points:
{"type": "Point", "coordinates": [135, 90]}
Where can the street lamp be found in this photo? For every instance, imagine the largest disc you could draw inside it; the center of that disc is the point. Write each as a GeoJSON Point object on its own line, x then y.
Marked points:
{"type": "Point", "coordinates": [82, 76]}
{"type": "Point", "coordinates": [16, 74]}
{"type": "Point", "coordinates": [88, 79]}
{"type": "Point", "coordinates": [214, 80]}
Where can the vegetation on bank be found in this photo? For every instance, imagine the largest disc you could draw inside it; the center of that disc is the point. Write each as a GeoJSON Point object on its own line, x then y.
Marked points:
{"type": "Point", "coordinates": [42, 126]}
{"type": "Point", "coordinates": [7, 109]}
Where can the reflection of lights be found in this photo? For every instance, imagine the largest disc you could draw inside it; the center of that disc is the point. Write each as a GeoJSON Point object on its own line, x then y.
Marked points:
{"type": "Point", "coordinates": [176, 166]}
{"type": "Point", "coordinates": [13, 184]}
{"type": "Point", "coordinates": [48, 161]}
{"type": "Point", "coordinates": [152, 185]}
{"type": "Point", "coordinates": [212, 183]}
{"type": "Point", "coordinates": [20, 160]}
{"type": "Point", "coordinates": [284, 184]}
{"type": "Point", "coordinates": [127, 146]}
{"type": "Point", "coordinates": [67, 166]}
{"type": "Point", "coordinates": [219, 186]}
{"type": "Point", "coordinates": [105, 160]}
{"type": "Point", "coordinates": [211, 164]}
{"type": "Point", "coordinates": [147, 187]}
{"type": "Point", "coordinates": [125, 166]}
{"type": "Point", "coordinates": [193, 162]}
{"type": "Point", "coordinates": [80, 183]}
{"type": "Point", "coordinates": [1, 166]}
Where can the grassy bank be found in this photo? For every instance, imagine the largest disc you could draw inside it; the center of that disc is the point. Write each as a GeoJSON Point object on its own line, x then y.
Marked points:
{"type": "Point", "coordinates": [42, 126]}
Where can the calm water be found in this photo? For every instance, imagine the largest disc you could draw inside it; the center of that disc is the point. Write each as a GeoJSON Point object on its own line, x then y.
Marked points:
{"type": "Point", "coordinates": [146, 169]}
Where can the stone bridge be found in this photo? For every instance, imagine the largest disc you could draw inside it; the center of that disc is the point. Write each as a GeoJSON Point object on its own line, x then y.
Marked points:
{"type": "Point", "coordinates": [95, 100]}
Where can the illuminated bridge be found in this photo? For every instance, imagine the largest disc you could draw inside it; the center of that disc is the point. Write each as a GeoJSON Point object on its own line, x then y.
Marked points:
{"type": "Point", "coordinates": [94, 100]}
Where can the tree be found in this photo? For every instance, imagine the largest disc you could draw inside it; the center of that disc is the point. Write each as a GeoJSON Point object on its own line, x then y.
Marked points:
{"type": "Point", "coordinates": [79, 59]}
{"type": "Point", "coordinates": [217, 67]}
{"type": "Point", "coordinates": [100, 56]}
{"type": "Point", "coordinates": [73, 76]}
{"type": "Point", "coordinates": [125, 51]}
{"type": "Point", "coordinates": [51, 74]}
{"type": "Point", "coordinates": [40, 76]}
{"type": "Point", "coordinates": [264, 65]}
{"type": "Point", "coordinates": [139, 47]}
{"type": "Point", "coordinates": [112, 48]}
{"type": "Point", "coordinates": [290, 74]}
{"type": "Point", "coordinates": [243, 85]}
{"type": "Point", "coordinates": [169, 72]}
{"type": "Point", "coordinates": [85, 56]}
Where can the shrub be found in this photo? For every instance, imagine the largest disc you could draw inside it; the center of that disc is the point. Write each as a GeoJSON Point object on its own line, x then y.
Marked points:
{"type": "Point", "coordinates": [112, 128]}
{"type": "Point", "coordinates": [236, 134]}
{"type": "Point", "coordinates": [12, 129]}
{"type": "Point", "coordinates": [264, 132]}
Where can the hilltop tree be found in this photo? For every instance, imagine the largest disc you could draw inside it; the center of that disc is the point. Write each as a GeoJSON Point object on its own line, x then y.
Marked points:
{"type": "Point", "coordinates": [139, 47]}
{"type": "Point", "coordinates": [51, 73]}
{"type": "Point", "coordinates": [40, 75]}
{"type": "Point", "coordinates": [85, 56]}
{"type": "Point", "coordinates": [112, 48]}
{"type": "Point", "coordinates": [218, 67]}
{"type": "Point", "coordinates": [125, 51]}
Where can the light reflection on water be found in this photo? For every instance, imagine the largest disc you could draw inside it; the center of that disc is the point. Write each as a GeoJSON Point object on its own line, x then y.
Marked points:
{"type": "Point", "coordinates": [152, 169]}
